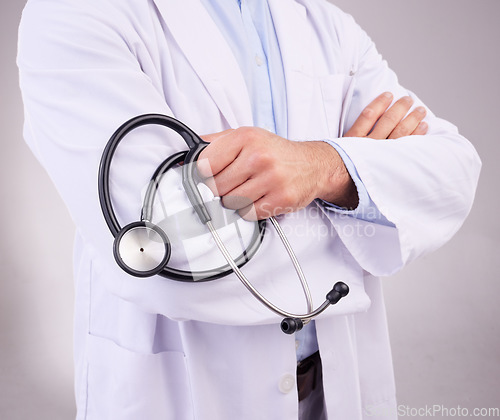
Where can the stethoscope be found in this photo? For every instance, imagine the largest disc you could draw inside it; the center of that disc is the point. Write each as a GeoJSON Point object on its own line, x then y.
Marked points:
{"type": "Point", "coordinates": [143, 249]}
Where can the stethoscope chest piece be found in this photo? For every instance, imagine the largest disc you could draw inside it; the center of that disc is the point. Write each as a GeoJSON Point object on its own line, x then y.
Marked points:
{"type": "Point", "coordinates": [142, 249]}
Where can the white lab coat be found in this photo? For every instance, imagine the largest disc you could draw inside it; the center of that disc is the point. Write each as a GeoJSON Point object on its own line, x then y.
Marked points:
{"type": "Point", "coordinates": [158, 349]}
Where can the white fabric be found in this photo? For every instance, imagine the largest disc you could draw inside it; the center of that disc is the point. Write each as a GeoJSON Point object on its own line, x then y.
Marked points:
{"type": "Point", "coordinates": [157, 349]}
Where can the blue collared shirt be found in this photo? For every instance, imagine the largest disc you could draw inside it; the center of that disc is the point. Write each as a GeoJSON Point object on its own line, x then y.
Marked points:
{"type": "Point", "coordinates": [248, 28]}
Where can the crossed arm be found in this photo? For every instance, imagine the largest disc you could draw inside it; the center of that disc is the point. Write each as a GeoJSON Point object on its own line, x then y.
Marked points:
{"type": "Point", "coordinates": [261, 174]}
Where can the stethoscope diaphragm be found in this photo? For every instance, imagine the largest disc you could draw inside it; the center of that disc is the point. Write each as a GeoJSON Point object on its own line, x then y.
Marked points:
{"type": "Point", "coordinates": [142, 249]}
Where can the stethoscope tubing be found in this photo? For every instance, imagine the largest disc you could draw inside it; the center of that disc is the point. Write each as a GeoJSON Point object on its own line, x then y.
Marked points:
{"type": "Point", "coordinates": [196, 145]}
{"type": "Point", "coordinates": [292, 322]}
{"type": "Point", "coordinates": [191, 139]}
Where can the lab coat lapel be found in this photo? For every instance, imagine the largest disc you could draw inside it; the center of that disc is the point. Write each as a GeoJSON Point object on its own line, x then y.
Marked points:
{"type": "Point", "coordinates": [294, 37]}
{"type": "Point", "coordinates": [197, 34]}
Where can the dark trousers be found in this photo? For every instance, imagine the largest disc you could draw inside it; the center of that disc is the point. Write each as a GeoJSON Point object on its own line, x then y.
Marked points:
{"type": "Point", "coordinates": [310, 388]}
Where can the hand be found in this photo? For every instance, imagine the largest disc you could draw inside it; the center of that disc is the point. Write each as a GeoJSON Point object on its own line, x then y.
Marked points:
{"type": "Point", "coordinates": [378, 121]}
{"type": "Point", "coordinates": [261, 174]}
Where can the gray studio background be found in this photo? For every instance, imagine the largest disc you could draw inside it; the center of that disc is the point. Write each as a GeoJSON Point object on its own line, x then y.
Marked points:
{"type": "Point", "coordinates": [443, 310]}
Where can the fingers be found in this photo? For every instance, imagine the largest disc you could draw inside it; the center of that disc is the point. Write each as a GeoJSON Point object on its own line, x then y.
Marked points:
{"type": "Point", "coordinates": [378, 121]}
{"type": "Point", "coordinates": [391, 118]}
{"type": "Point", "coordinates": [262, 209]}
{"type": "Point", "coordinates": [412, 124]}
{"type": "Point", "coordinates": [244, 195]}
{"type": "Point", "coordinates": [233, 165]}
{"type": "Point", "coordinates": [421, 129]}
{"type": "Point", "coordinates": [232, 158]}
{"type": "Point", "coordinates": [269, 205]}
{"type": "Point", "coordinates": [226, 180]}
{"type": "Point", "coordinates": [219, 154]}
{"type": "Point", "coordinates": [370, 115]}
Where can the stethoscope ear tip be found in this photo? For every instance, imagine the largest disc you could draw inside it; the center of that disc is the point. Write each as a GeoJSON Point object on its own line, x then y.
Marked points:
{"type": "Point", "coordinates": [291, 325]}
{"type": "Point", "coordinates": [340, 290]}
{"type": "Point", "coordinates": [142, 249]}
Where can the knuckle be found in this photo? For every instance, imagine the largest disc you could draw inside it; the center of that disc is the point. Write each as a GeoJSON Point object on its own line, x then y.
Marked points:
{"type": "Point", "coordinates": [406, 100]}
{"type": "Point", "coordinates": [368, 113]}
{"type": "Point", "coordinates": [399, 132]}
{"type": "Point", "coordinates": [402, 105]}
{"type": "Point", "coordinates": [259, 160]}
{"type": "Point", "coordinates": [245, 133]}
{"type": "Point", "coordinates": [393, 118]}
{"type": "Point", "coordinates": [423, 127]}
{"type": "Point", "coordinates": [353, 132]}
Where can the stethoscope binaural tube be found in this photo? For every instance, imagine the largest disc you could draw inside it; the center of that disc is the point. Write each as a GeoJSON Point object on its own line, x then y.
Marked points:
{"type": "Point", "coordinates": [291, 322]}
{"type": "Point", "coordinates": [143, 249]}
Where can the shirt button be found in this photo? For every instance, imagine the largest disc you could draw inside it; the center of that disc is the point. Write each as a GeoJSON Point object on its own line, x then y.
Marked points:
{"type": "Point", "coordinates": [287, 383]}
{"type": "Point", "coordinates": [258, 60]}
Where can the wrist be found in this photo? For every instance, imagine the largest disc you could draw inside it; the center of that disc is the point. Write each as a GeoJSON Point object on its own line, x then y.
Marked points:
{"type": "Point", "coordinates": [335, 184]}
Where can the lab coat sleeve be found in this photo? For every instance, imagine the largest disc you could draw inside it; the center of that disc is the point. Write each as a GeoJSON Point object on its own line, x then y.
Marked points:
{"type": "Point", "coordinates": [85, 69]}
{"type": "Point", "coordinates": [81, 78]}
{"type": "Point", "coordinates": [424, 185]}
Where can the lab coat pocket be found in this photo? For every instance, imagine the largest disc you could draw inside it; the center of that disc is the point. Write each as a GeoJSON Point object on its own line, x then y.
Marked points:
{"type": "Point", "coordinates": [125, 324]}
{"type": "Point", "coordinates": [128, 385]}
{"type": "Point", "coordinates": [336, 91]}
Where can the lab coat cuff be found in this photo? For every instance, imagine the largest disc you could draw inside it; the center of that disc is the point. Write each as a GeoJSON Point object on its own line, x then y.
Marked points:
{"type": "Point", "coordinates": [366, 209]}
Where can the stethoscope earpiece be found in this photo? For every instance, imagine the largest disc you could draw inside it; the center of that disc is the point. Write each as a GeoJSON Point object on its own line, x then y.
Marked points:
{"type": "Point", "coordinates": [340, 290]}
{"type": "Point", "coordinates": [292, 324]}
{"type": "Point", "coordinates": [142, 249]}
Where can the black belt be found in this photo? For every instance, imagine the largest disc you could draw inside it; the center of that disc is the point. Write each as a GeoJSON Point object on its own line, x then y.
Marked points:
{"type": "Point", "coordinates": [309, 375]}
